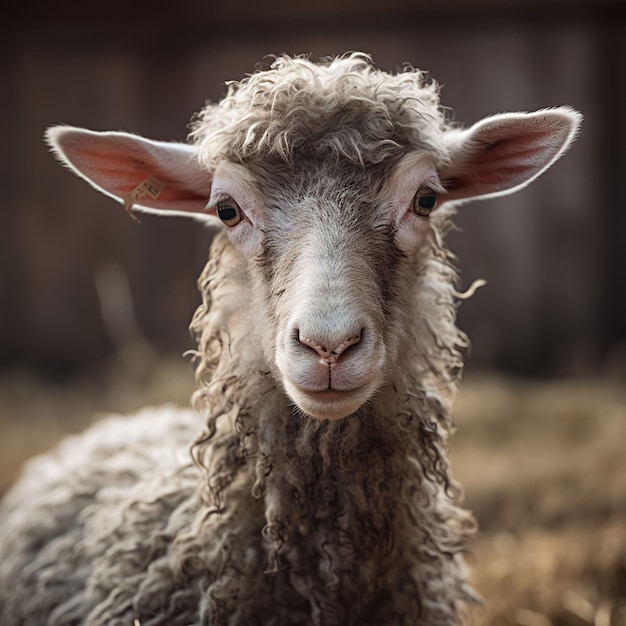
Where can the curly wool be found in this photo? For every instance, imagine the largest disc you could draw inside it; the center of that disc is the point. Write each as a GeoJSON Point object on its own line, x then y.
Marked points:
{"type": "Point", "coordinates": [346, 108]}
{"type": "Point", "coordinates": [369, 499]}
{"type": "Point", "coordinates": [281, 519]}
{"type": "Point", "coordinates": [291, 521]}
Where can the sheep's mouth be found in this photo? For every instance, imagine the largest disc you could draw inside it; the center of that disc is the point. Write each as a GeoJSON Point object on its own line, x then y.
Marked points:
{"type": "Point", "coordinates": [331, 394]}
{"type": "Point", "coordinates": [330, 403]}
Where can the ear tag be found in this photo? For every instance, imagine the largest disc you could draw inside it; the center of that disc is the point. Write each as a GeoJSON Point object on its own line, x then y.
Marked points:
{"type": "Point", "coordinates": [150, 186]}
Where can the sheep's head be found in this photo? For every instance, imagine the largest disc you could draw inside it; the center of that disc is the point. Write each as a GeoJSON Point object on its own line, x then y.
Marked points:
{"type": "Point", "coordinates": [332, 182]}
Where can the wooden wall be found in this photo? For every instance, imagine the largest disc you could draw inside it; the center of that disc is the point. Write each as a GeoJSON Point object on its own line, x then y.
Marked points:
{"type": "Point", "coordinates": [553, 255]}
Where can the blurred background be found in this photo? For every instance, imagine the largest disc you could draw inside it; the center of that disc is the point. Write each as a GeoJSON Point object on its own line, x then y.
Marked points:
{"type": "Point", "coordinates": [94, 309]}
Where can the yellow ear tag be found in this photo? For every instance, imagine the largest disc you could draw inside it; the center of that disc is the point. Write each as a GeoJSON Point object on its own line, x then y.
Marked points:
{"type": "Point", "coordinates": [150, 186]}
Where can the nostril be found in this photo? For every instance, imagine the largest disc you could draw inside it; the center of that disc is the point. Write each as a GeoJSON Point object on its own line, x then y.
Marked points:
{"type": "Point", "coordinates": [295, 336]}
{"type": "Point", "coordinates": [344, 345]}
{"type": "Point", "coordinates": [321, 347]}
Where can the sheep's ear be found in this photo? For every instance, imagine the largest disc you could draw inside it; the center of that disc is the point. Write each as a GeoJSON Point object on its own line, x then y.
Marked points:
{"type": "Point", "coordinates": [503, 153]}
{"type": "Point", "coordinates": [152, 176]}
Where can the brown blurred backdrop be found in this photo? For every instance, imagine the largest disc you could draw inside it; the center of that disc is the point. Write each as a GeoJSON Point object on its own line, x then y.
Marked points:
{"type": "Point", "coordinates": [100, 304]}
{"type": "Point", "coordinates": [553, 255]}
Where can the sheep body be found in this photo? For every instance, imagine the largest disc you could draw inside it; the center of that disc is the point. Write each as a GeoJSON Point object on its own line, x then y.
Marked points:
{"type": "Point", "coordinates": [144, 540]}
{"type": "Point", "coordinates": [318, 491]}
{"type": "Point", "coordinates": [88, 487]}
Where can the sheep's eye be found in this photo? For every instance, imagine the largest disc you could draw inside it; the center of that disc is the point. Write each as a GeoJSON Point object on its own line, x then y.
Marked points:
{"type": "Point", "coordinates": [424, 203]}
{"type": "Point", "coordinates": [229, 212]}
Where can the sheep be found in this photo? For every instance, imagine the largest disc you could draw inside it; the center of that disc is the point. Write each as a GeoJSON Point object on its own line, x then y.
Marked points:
{"type": "Point", "coordinates": [315, 489]}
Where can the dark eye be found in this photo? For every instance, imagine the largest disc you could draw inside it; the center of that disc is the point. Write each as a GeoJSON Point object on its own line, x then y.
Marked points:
{"type": "Point", "coordinates": [424, 203]}
{"type": "Point", "coordinates": [229, 212]}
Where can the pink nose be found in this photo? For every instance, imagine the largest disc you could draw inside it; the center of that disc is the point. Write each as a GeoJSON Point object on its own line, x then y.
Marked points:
{"type": "Point", "coordinates": [329, 354]}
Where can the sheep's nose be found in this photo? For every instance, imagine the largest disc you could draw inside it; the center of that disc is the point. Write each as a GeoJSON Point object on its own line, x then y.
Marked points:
{"type": "Point", "coordinates": [328, 352]}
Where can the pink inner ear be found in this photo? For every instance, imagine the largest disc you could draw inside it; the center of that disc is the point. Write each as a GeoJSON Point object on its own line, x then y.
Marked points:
{"type": "Point", "coordinates": [499, 162]}
{"type": "Point", "coordinates": [121, 175]}
{"type": "Point", "coordinates": [119, 166]}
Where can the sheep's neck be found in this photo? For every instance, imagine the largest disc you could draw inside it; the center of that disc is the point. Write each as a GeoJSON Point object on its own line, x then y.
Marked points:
{"type": "Point", "coordinates": [327, 516]}
{"type": "Point", "coordinates": [345, 510]}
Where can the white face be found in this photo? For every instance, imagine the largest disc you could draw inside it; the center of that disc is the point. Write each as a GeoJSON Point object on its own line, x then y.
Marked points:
{"type": "Point", "coordinates": [335, 264]}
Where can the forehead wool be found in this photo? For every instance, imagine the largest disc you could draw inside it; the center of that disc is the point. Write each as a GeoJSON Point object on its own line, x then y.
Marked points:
{"type": "Point", "coordinates": [343, 109]}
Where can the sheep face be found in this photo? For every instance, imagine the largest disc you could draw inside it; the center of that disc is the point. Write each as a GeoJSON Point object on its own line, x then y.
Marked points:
{"type": "Point", "coordinates": [333, 251]}
{"type": "Point", "coordinates": [334, 183]}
